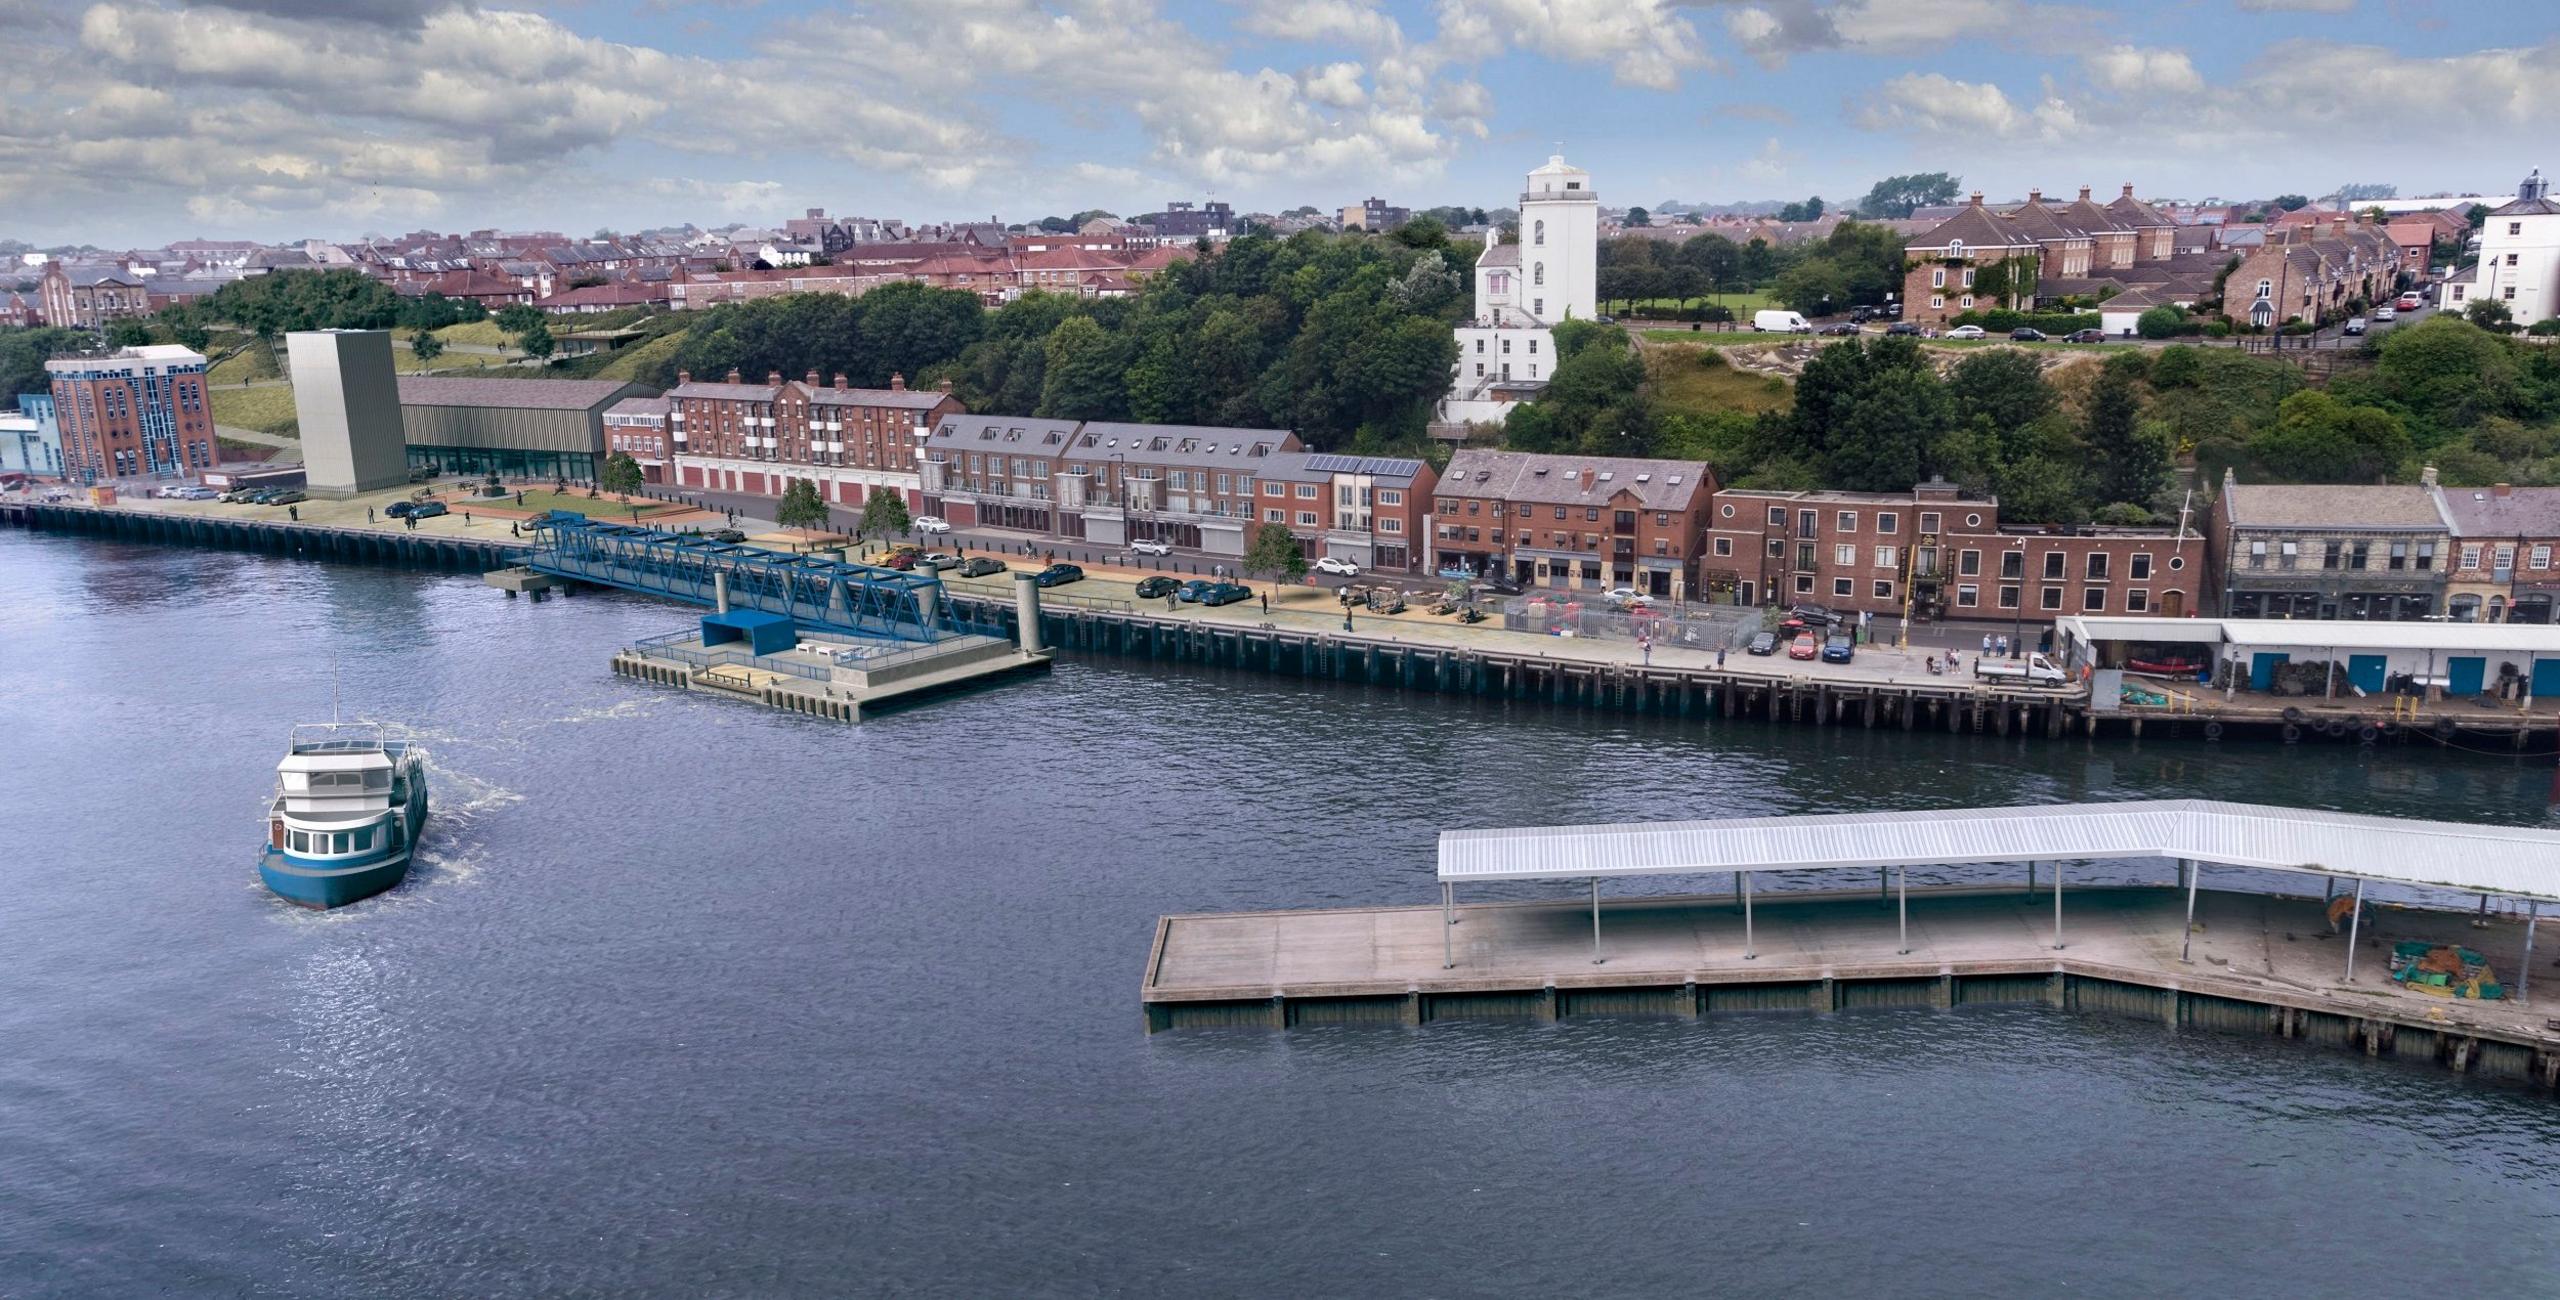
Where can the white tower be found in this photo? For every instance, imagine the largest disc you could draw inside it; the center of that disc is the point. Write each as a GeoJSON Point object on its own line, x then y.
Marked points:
{"type": "Point", "coordinates": [1559, 244]}
{"type": "Point", "coordinates": [1552, 275]}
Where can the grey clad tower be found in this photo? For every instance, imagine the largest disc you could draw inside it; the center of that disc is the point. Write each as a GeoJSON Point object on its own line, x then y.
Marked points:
{"type": "Point", "coordinates": [348, 401]}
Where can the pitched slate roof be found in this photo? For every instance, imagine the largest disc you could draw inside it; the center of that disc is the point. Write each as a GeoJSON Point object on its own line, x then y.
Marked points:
{"type": "Point", "coordinates": [2522, 512]}
{"type": "Point", "coordinates": [1975, 227]}
{"type": "Point", "coordinates": [2332, 505]}
{"type": "Point", "coordinates": [1575, 480]}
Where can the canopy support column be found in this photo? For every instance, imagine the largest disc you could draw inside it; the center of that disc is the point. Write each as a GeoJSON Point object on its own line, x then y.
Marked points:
{"type": "Point", "coordinates": [1749, 950]}
{"type": "Point", "coordinates": [2187, 940]}
{"type": "Point", "coordinates": [2524, 972]}
{"type": "Point", "coordinates": [1902, 897]}
{"type": "Point", "coordinates": [1595, 920]}
{"type": "Point", "coordinates": [2355, 921]}
{"type": "Point", "coordinates": [1448, 918]}
{"type": "Point", "coordinates": [2057, 906]}
{"type": "Point", "coordinates": [2031, 877]}
{"type": "Point", "coordinates": [1882, 897]}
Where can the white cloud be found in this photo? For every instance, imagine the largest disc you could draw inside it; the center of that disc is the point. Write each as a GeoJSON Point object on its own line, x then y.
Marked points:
{"type": "Point", "coordinates": [1642, 42]}
{"type": "Point", "coordinates": [1323, 20]}
{"type": "Point", "coordinates": [2132, 69]}
{"type": "Point", "coordinates": [1335, 85]}
{"type": "Point", "coordinates": [1769, 166]}
{"type": "Point", "coordinates": [2298, 6]}
{"type": "Point", "coordinates": [1772, 31]}
{"type": "Point", "coordinates": [1934, 106]}
{"type": "Point", "coordinates": [732, 198]}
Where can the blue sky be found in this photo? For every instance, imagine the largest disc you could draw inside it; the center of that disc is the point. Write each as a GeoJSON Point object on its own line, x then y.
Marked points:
{"type": "Point", "coordinates": [132, 121]}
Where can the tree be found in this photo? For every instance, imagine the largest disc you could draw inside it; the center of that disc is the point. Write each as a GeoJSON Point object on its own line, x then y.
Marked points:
{"type": "Point", "coordinates": [2159, 322]}
{"type": "Point", "coordinates": [537, 341]}
{"type": "Point", "coordinates": [2130, 459]}
{"type": "Point", "coordinates": [1275, 554]}
{"type": "Point", "coordinates": [621, 473]}
{"type": "Point", "coordinates": [1896, 197]}
{"type": "Point", "coordinates": [1085, 370]}
{"type": "Point", "coordinates": [426, 346]}
{"type": "Point", "coordinates": [1812, 287]}
{"type": "Point", "coordinates": [2003, 389]}
{"type": "Point", "coordinates": [2491, 315]}
{"type": "Point", "coordinates": [1639, 217]}
{"type": "Point", "coordinates": [2446, 374]}
{"type": "Point", "coordinates": [24, 352]}
{"type": "Point", "coordinates": [516, 318]}
{"type": "Point", "coordinates": [1809, 210]}
{"type": "Point", "coordinates": [2318, 439]}
{"type": "Point", "coordinates": [884, 512]}
{"type": "Point", "coordinates": [801, 505]}
{"type": "Point", "coordinates": [129, 334]}
{"type": "Point", "coordinates": [2292, 202]}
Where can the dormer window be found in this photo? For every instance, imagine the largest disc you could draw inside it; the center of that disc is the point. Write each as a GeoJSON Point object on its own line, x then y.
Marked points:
{"type": "Point", "coordinates": [1955, 248]}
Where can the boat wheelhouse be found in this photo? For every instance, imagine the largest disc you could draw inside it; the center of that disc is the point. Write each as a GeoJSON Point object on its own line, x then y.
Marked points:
{"type": "Point", "coordinates": [350, 801]}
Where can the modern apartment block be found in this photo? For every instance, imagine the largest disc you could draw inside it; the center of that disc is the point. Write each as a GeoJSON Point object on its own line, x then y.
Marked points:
{"type": "Point", "coordinates": [637, 427]}
{"type": "Point", "coordinates": [138, 411]}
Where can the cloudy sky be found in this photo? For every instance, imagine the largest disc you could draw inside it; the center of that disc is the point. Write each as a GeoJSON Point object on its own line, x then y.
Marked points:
{"type": "Point", "coordinates": [134, 121]}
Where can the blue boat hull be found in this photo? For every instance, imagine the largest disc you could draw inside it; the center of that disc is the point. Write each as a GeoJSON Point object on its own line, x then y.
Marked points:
{"type": "Point", "coordinates": [310, 884]}
{"type": "Point", "coordinates": [332, 886]}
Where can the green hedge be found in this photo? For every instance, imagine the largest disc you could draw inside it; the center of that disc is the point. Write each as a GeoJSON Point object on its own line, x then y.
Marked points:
{"type": "Point", "coordinates": [2001, 320]}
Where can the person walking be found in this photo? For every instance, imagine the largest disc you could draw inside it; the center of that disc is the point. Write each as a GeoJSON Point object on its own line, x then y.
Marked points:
{"type": "Point", "coordinates": [368, 514]}
{"type": "Point", "coordinates": [294, 513]}
{"type": "Point", "coordinates": [466, 519]}
{"type": "Point", "coordinates": [519, 496]}
{"type": "Point", "coordinates": [1266, 602]}
{"type": "Point", "coordinates": [1172, 605]}
{"type": "Point", "coordinates": [1986, 643]}
{"type": "Point", "coordinates": [1346, 616]}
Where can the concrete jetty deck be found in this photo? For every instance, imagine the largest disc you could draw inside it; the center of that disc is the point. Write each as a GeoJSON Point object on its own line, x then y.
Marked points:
{"type": "Point", "coordinates": [2262, 964]}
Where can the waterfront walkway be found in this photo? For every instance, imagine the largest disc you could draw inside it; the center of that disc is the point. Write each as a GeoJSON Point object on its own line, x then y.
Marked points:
{"type": "Point", "coordinates": [2248, 947]}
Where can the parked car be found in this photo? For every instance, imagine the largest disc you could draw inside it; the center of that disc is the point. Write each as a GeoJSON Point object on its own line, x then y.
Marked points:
{"type": "Point", "coordinates": [2026, 334]}
{"type": "Point", "coordinates": [1059, 575]}
{"type": "Point", "coordinates": [936, 561]}
{"type": "Point", "coordinates": [2354, 325]}
{"type": "Point", "coordinates": [1762, 643]}
{"type": "Point", "coordinates": [1839, 649]}
{"type": "Point", "coordinates": [902, 560]}
{"type": "Point", "coordinates": [396, 510]}
{"type": "Point", "coordinates": [2409, 302]}
{"type": "Point", "coordinates": [1151, 548]}
{"type": "Point", "coordinates": [1158, 587]}
{"type": "Point", "coordinates": [1225, 593]}
{"type": "Point", "coordinates": [1500, 586]}
{"type": "Point", "coordinates": [1842, 329]}
{"type": "Point", "coordinates": [287, 497]}
{"type": "Point", "coordinates": [979, 566]}
{"type": "Point", "coordinates": [428, 509]}
{"type": "Point", "coordinates": [1804, 647]}
{"type": "Point", "coordinates": [1780, 322]}
{"type": "Point", "coordinates": [930, 524]}
{"type": "Point", "coordinates": [1965, 332]}
{"type": "Point", "coordinates": [1903, 328]}
{"type": "Point", "coordinates": [730, 535]}
{"type": "Point", "coordinates": [1623, 596]}
{"type": "Point", "coordinates": [1189, 592]}
{"type": "Point", "coordinates": [2085, 336]}
{"type": "Point", "coordinates": [1337, 565]}
{"type": "Point", "coordinates": [2035, 670]}
{"type": "Point", "coordinates": [2385, 314]}
{"type": "Point", "coordinates": [199, 493]}
{"type": "Point", "coordinates": [1800, 617]}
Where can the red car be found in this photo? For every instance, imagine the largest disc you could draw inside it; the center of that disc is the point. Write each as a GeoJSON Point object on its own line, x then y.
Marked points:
{"type": "Point", "coordinates": [1804, 647]}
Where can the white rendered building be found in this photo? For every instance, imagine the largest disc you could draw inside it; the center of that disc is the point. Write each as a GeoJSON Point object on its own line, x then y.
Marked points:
{"type": "Point", "coordinates": [1507, 352]}
{"type": "Point", "coordinates": [2519, 258]}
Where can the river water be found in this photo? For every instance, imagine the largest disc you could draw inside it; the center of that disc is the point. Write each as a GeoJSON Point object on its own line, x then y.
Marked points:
{"type": "Point", "coordinates": [693, 999]}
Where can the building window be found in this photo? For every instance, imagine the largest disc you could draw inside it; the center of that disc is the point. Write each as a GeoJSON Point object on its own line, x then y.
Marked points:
{"type": "Point", "coordinates": [1968, 277]}
{"type": "Point", "coordinates": [1307, 492]}
{"type": "Point", "coordinates": [2097, 570]}
{"type": "Point", "coordinates": [2137, 601]}
{"type": "Point", "coordinates": [2470, 554]}
{"type": "Point", "coordinates": [1540, 238]}
{"type": "Point", "coordinates": [1306, 519]}
{"type": "Point", "coordinates": [2426, 555]}
{"type": "Point", "coordinates": [1559, 512]}
{"type": "Point", "coordinates": [1965, 301]}
{"type": "Point", "coordinates": [2257, 555]}
{"type": "Point", "coordinates": [1845, 521]}
{"type": "Point", "coordinates": [2140, 566]}
{"type": "Point", "coordinates": [2008, 597]}
{"type": "Point", "coordinates": [1928, 522]}
{"type": "Point", "coordinates": [1936, 302]}
{"type": "Point", "coordinates": [1275, 516]}
{"type": "Point", "coordinates": [2052, 565]}
{"type": "Point", "coordinates": [1724, 546]}
{"type": "Point", "coordinates": [1969, 564]}
{"type": "Point", "coordinates": [1728, 510]}
{"type": "Point", "coordinates": [1777, 549]}
{"type": "Point", "coordinates": [1884, 589]}
{"type": "Point", "coordinates": [1390, 496]}
{"type": "Point", "coordinates": [1887, 557]}
{"type": "Point", "coordinates": [1804, 584]}
{"type": "Point", "coordinates": [2093, 600]}
{"type": "Point", "coordinates": [2541, 557]}
{"type": "Point", "coordinates": [1777, 516]}
{"type": "Point", "coordinates": [1842, 587]}
{"type": "Point", "coordinates": [1888, 523]}
{"type": "Point", "coordinates": [1938, 278]}
{"type": "Point", "coordinates": [2049, 598]}
{"type": "Point", "coordinates": [1844, 555]}
{"type": "Point", "coordinates": [2515, 227]}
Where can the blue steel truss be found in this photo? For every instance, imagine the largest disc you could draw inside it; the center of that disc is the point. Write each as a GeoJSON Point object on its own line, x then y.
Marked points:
{"type": "Point", "coordinates": [828, 595]}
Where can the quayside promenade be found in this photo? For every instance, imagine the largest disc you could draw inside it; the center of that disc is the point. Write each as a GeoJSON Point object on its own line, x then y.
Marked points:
{"type": "Point", "coordinates": [2250, 962]}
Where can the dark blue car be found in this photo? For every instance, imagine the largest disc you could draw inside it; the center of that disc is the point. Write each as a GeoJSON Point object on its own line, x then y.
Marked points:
{"type": "Point", "coordinates": [1838, 650]}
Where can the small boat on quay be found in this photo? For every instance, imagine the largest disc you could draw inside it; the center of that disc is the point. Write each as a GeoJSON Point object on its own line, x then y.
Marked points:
{"type": "Point", "coordinates": [350, 800]}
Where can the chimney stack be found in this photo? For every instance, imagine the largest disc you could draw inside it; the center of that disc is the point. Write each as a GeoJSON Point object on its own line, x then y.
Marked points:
{"type": "Point", "coordinates": [1977, 198]}
{"type": "Point", "coordinates": [2128, 189]}
{"type": "Point", "coordinates": [734, 377]}
{"type": "Point", "coordinates": [683, 377]}
{"type": "Point", "coordinates": [897, 383]}
{"type": "Point", "coordinates": [2427, 476]}
{"type": "Point", "coordinates": [2501, 489]}
{"type": "Point", "coordinates": [2084, 193]}
{"type": "Point", "coordinates": [2035, 196]}
{"type": "Point", "coordinates": [813, 377]}
{"type": "Point", "coordinates": [943, 387]}
{"type": "Point", "coordinates": [773, 377]}
{"type": "Point", "coordinates": [839, 379]}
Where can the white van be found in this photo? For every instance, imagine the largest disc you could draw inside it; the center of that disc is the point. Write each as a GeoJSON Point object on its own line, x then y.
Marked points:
{"type": "Point", "coordinates": [1780, 322]}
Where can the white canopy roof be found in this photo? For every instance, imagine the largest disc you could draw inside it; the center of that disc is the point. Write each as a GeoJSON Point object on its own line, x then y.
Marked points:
{"type": "Point", "coordinates": [2325, 634]}
{"type": "Point", "coordinates": [2512, 861]}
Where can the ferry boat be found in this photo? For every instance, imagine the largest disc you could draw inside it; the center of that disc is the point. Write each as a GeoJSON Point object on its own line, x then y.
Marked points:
{"type": "Point", "coordinates": [350, 801]}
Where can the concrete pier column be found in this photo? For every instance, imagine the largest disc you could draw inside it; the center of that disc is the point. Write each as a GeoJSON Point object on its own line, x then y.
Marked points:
{"type": "Point", "coordinates": [720, 592]}
{"type": "Point", "coordinates": [1026, 606]}
{"type": "Point", "coordinates": [928, 604]}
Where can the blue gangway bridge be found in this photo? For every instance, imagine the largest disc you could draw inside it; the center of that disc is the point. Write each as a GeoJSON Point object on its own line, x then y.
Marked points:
{"type": "Point", "coordinates": [815, 592]}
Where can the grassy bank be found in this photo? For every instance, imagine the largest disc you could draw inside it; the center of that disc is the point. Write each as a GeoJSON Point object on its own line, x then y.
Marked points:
{"type": "Point", "coordinates": [267, 410]}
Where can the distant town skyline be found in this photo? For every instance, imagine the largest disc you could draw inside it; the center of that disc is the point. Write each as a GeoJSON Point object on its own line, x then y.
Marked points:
{"type": "Point", "coordinates": [137, 121]}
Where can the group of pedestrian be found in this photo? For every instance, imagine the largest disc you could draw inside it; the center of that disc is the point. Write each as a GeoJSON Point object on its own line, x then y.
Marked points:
{"type": "Point", "coordinates": [1992, 647]}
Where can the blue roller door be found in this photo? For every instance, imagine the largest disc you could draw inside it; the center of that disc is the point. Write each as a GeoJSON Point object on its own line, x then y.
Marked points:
{"type": "Point", "coordinates": [2546, 676]}
{"type": "Point", "coordinates": [2463, 676]}
{"type": "Point", "coordinates": [2366, 671]}
{"type": "Point", "coordinates": [2262, 669]}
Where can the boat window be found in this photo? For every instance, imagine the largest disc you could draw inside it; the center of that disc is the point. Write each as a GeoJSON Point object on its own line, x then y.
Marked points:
{"type": "Point", "coordinates": [364, 839]}
{"type": "Point", "coordinates": [301, 842]}
{"type": "Point", "coordinates": [378, 779]}
{"type": "Point", "coordinates": [339, 842]}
